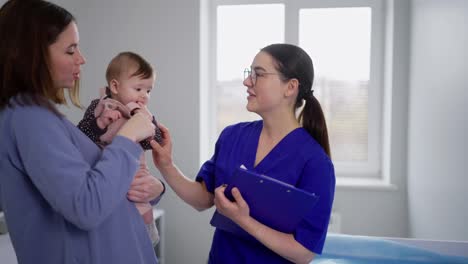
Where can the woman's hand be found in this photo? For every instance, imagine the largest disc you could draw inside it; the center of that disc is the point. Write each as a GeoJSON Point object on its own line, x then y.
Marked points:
{"type": "Point", "coordinates": [237, 211]}
{"type": "Point", "coordinates": [162, 153]}
{"type": "Point", "coordinates": [137, 128]}
{"type": "Point", "coordinates": [144, 187]}
{"type": "Point", "coordinates": [144, 110]}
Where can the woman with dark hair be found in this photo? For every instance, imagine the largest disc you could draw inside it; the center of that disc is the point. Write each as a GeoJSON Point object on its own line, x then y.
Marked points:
{"type": "Point", "coordinates": [291, 149]}
{"type": "Point", "coordinates": [65, 200]}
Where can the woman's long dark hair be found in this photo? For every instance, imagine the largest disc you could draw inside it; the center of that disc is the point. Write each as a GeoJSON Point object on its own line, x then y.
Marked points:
{"type": "Point", "coordinates": [294, 62]}
{"type": "Point", "coordinates": [27, 29]}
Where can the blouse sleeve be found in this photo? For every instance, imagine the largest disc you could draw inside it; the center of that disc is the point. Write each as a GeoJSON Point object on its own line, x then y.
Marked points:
{"type": "Point", "coordinates": [318, 177]}
{"type": "Point", "coordinates": [85, 194]}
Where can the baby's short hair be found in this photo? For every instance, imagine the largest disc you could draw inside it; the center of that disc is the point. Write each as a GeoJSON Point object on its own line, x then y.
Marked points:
{"type": "Point", "coordinates": [126, 61]}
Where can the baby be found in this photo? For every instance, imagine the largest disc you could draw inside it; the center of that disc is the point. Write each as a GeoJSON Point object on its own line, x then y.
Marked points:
{"type": "Point", "coordinates": [130, 79]}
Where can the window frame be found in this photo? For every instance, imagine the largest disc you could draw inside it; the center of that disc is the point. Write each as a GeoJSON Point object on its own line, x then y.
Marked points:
{"type": "Point", "coordinates": [372, 169]}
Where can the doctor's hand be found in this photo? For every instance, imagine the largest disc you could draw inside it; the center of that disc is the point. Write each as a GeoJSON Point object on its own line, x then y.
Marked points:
{"type": "Point", "coordinates": [162, 153]}
{"type": "Point", "coordinates": [237, 211]}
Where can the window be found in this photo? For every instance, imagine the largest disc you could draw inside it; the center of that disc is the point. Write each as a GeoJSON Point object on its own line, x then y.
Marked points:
{"type": "Point", "coordinates": [345, 41]}
{"type": "Point", "coordinates": [238, 40]}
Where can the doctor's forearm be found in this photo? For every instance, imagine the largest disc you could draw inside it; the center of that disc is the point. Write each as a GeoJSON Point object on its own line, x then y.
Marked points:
{"type": "Point", "coordinates": [192, 192]}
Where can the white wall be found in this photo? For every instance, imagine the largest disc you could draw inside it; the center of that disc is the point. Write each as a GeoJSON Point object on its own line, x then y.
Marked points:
{"type": "Point", "coordinates": [438, 120]}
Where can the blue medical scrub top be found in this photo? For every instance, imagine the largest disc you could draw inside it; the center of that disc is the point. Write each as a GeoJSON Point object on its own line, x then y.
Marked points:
{"type": "Point", "coordinates": [297, 160]}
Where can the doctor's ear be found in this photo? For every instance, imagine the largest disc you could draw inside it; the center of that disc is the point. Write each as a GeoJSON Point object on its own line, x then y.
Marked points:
{"type": "Point", "coordinates": [113, 84]}
{"type": "Point", "coordinates": [292, 88]}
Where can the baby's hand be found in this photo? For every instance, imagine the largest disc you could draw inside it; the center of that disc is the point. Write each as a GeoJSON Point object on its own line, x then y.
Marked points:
{"type": "Point", "coordinates": [107, 117]}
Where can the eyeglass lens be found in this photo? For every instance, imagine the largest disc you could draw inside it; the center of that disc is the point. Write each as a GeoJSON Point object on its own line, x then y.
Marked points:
{"type": "Point", "coordinates": [249, 73]}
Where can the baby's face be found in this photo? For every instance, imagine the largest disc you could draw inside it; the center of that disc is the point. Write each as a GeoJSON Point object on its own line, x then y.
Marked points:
{"type": "Point", "coordinates": [134, 89]}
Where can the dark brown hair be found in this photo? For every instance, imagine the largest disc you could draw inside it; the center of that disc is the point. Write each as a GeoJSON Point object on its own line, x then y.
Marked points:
{"type": "Point", "coordinates": [294, 62]}
{"type": "Point", "coordinates": [27, 29]}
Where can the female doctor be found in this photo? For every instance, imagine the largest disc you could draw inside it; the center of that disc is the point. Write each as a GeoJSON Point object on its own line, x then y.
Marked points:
{"type": "Point", "coordinates": [280, 145]}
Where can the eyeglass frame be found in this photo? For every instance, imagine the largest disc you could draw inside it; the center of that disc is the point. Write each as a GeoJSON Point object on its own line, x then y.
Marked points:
{"type": "Point", "coordinates": [252, 74]}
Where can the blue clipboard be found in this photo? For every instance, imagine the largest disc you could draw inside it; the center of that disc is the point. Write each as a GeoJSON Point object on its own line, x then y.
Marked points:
{"type": "Point", "coordinates": [274, 203]}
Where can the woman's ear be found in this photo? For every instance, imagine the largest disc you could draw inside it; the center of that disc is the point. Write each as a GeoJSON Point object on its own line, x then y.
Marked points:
{"type": "Point", "coordinates": [292, 88]}
{"type": "Point", "coordinates": [113, 85]}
